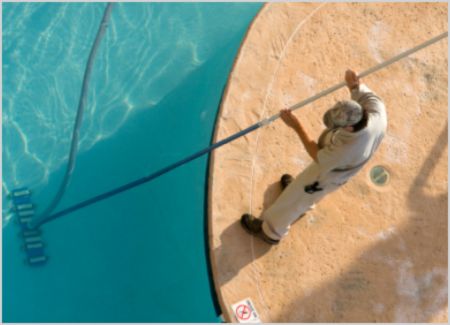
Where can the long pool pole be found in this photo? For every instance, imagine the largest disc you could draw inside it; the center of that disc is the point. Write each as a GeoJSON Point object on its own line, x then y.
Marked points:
{"type": "Point", "coordinates": [233, 137]}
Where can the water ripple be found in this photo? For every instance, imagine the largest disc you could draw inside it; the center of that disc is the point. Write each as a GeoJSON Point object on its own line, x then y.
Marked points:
{"type": "Point", "coordinates": [149, 49]}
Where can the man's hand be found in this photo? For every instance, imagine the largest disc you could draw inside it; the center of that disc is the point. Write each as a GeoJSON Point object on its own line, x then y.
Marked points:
{"type": "Point", "coordinates": [351, 79]}
{"type": "Point", "coordinates": [289, 118]}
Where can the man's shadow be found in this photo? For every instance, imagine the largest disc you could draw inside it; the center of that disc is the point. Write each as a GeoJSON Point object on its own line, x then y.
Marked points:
{"type": "Point", "coordinates": [234, 238]}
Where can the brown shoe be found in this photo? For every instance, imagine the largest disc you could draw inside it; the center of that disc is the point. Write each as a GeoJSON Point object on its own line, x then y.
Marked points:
{"type": "Point", "coordinates": [285, 180]}
{"type": "Point", "coordinates": [253, 226]}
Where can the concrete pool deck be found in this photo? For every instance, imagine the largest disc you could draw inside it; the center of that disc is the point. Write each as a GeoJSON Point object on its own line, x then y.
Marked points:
{"type": "Point", "coordinates": [382, 258]}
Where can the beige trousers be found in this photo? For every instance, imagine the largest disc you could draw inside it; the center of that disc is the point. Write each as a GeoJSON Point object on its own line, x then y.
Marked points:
{"type": "Point", "coordinates": [294, 202]}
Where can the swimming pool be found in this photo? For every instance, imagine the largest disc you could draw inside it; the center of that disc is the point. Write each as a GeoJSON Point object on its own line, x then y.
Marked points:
{"type": "Point", "coordinates": [157, 81]}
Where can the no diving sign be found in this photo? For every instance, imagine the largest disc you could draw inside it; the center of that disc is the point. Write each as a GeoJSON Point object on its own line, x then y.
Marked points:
{"type": "Point", "coordinates": [245, 312]}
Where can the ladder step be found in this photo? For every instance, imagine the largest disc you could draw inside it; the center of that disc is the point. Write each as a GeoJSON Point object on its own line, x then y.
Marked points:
{"type": "Point", "coordinates": [37, 260]}
{"type": "Point", "coordinates": [25, 220]}
{"type": "Point", "coordinates": [31, 233]}
{"type": "Point", "coordinates": [20, 192]}
{"type": "Point", "coordinates": [33, 239]}
{"type": "Point", "coordinates": [23, 206]}
{"type": "Point", "coordinates": [25, 213]}
{"type": "Point", "coordinates": [34, 245]}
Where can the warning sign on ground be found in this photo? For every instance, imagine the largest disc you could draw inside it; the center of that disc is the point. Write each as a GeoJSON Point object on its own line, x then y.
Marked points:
{"type": "Point", "coordinates": [245, 312]}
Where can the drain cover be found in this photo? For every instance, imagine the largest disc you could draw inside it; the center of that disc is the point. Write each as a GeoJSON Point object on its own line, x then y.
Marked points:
{"type": "Point", "coordinates": [379, 175]}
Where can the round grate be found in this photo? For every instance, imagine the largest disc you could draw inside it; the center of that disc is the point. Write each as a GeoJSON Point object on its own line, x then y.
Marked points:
{"type": "Point", "coordinates": [379, 175]}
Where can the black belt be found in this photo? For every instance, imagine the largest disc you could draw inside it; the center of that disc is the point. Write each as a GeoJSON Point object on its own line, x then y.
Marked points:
{"type": "Point", "coordinates": [350, 168]}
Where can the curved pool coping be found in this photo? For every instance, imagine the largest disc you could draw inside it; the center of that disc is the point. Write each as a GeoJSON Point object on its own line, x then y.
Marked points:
{"type": "Point", "coordinates": [214, 270]}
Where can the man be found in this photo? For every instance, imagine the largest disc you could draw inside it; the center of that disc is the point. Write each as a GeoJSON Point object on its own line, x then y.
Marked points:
{"type": "Point", "coordinates": [354, 131]}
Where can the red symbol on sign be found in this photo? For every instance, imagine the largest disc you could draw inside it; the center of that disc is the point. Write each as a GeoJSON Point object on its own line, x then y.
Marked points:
{"type": "Point", "coordinates": [243, 312]}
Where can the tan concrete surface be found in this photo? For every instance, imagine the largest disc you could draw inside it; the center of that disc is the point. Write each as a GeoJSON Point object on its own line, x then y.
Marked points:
{"type": "Point", "coordinates": [365, 253]}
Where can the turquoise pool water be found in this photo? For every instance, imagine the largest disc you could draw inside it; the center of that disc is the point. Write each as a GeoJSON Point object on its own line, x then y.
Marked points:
{"type": "Point", "coordinates": [156, 86]}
